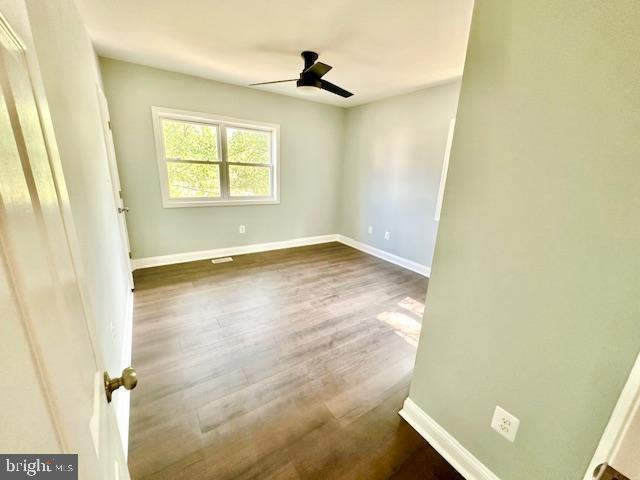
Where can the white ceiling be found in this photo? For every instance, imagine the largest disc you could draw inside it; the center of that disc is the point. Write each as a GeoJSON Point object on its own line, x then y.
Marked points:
{"type": "Point", "coordinates": [377, 48]}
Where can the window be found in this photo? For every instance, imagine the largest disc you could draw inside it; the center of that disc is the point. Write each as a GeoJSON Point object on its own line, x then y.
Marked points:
{"type": "Point", "coordinates": [209, 160]}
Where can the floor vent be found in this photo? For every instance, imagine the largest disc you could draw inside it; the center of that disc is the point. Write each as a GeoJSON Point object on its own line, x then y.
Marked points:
{"type": "Point", "coordinates": [222, 260]}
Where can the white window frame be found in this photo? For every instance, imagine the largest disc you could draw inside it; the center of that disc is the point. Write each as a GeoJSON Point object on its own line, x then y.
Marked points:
{"type": "Point", "coordinates": [221, 123]}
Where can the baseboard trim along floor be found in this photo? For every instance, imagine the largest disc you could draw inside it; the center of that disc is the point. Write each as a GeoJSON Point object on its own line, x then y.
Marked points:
{"type": "Point", "coordinates": [445, 444]}
{"type": "Point", "coordinates": [384, 255]}
{"type": "Point", "coordinates": [265, 247]}
{"type": "Point", "coordinates": [229, 251]}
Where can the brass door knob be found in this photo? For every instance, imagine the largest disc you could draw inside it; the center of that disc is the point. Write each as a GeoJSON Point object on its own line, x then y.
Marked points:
{"type": "Point", "coordinates": [607, 472]}
{"type": "Point", "coordinates": [128, 380]}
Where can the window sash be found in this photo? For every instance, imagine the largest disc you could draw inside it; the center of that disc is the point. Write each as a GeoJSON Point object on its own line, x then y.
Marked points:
{"type": "Point", "coordinates": [245, 129]}
{"type": "Point", "coordinates": [190, 122]}
{"type": "Point", "coordinates": [252, 165]}
{"type": "Point", "coordinates": [223, 161]}
{"type": "Point", "coordinates": [196, 162]}
{"type": "Point", "coordinates": [190, 187]}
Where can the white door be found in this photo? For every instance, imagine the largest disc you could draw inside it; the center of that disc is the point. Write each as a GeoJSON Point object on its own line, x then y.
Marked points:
{"type": "Point", "coordinates": [115, 182]}
{"type": "Point", "coordinates": [618, 454]}
{"type": "Point", "coordinates": [54, 399]}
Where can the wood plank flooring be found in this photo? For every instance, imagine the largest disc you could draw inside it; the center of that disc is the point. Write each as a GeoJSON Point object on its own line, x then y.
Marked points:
{"type": "Point", "coordinates": [281, 365]}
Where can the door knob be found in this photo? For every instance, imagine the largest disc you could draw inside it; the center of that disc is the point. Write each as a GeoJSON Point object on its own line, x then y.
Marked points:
{"type": "Point", "coordinates": [123, 209]}
{"type": "Point", "coordinates": [607, 472]}
{"type": "Point", "coordinates": [128, 380]}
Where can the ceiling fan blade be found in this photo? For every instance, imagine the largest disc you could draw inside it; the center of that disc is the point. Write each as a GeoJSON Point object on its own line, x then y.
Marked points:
{"type": "Point", "coordinates": [318, 69]}
{"type": "Point", "coordinates": [330, 87]}
{"type": "Point", "coordinates": [276, 81]}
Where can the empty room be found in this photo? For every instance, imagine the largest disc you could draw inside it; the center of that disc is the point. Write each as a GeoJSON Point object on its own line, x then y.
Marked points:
{"type": "Point", "coordinates": [352, 240]}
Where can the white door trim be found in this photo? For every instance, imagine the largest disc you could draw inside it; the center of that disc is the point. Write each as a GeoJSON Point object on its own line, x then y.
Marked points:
{"type": "Point", "coordinates": [626, 408]}
{"type": "Point", "coordinates": [118, 202]}
{"type": "Point", "coordinates": [445, 170]}
{"type": "Point", "coordinates": [122, 402]}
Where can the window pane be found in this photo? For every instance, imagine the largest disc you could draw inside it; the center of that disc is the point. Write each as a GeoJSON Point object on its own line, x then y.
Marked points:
{"type": "Point", "coordinates": [248, 146]}
{"type": "Point", "coordinates": [249, 181]}
{"type": "Point", "coordinates": [190, 141]}
{"type": "Point", "coordinates": [193, 180]}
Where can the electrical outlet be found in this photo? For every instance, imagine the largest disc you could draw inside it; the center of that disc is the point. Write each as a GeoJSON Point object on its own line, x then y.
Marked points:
{"type": "Point", "coordinates": [370, 230]}
{"type": "Point", "coordinates": [505, 424]}
{"type": "Point", "coordinates": [387, 235]}
{"type": "Point", "coordinates": [242, 229]}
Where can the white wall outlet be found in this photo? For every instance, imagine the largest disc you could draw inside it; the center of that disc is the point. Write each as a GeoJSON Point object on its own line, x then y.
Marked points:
{"type": "Point", "coordinates": [242, 229]}
{"type": "Point", "coordinates": [505, 424]}
{"type": "Point", "coordinates": [387, 235]}
{"type": "Point", "coordinates": [370, 230]}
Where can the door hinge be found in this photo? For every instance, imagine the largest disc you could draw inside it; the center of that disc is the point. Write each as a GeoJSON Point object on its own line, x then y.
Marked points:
{"type": "Point", "coordinates": [109, 124]}
{"type": "Point", "coordinates": [130, 257]}
{"type": "Point", "coordinates": [607, 472]}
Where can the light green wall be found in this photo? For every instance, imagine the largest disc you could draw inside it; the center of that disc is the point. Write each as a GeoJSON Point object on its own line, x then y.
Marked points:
{"type": "Point", "coordinates": [311, 137]}
{"type": "Point", "coordinates": [534, 299]}
{"type": "Point", "coordinates": [392, 161]}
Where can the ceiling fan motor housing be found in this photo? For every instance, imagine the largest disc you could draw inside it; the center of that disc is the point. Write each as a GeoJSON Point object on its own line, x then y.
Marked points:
{"type": "Point", "coordinates": [308, 82]}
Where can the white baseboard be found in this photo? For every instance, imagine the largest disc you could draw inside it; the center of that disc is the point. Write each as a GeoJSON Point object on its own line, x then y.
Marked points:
{"type": "Point", "coordinates": [384, 255]}
{"type": "Point", "coordinates": [122, 401]}
{"type": "Point", "coordinates": [229, 251]}
{"type": "Point", "coordinates": [265, 247]}
{"type": "Point", "coordinates": [453, 452]}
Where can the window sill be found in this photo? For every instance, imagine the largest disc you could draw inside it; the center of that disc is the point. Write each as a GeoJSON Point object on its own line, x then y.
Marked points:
{"type": "Point", "coordinates": [217, 203]}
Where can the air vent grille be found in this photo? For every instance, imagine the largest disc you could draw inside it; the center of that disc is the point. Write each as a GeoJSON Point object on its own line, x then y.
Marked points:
{"type": "Point", "coordinates": [222, 260]}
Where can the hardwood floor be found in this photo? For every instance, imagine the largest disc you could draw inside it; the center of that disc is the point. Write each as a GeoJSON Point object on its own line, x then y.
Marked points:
{"type": "Point", "coordinates": [281, 365]}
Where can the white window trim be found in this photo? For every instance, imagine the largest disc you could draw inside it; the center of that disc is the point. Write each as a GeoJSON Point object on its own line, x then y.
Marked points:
{"type": "Point", "coordinates": [159, 113]}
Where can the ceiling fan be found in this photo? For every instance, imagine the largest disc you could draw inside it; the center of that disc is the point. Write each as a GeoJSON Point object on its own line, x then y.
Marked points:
{"type": "Point", "coordinates": [310, 80]}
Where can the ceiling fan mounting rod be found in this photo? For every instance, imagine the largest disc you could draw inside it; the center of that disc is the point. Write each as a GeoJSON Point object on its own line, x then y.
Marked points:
{"type": "Point", "coordinates": [309, 58]}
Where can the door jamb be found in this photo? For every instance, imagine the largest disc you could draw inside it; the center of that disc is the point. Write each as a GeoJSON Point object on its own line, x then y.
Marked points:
{"type": "Point", "coordinates": [621, 418]}
{"type": "Point", "coordinates": [114, 175]}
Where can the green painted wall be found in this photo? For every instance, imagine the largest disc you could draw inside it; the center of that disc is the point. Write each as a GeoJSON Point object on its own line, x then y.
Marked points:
{"type": "Point", "coordinates": [534, 299]}
{"type": "Point", "coordinates": [311, 140]}
{"type": "Point", "coordinates": [392, 162]}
